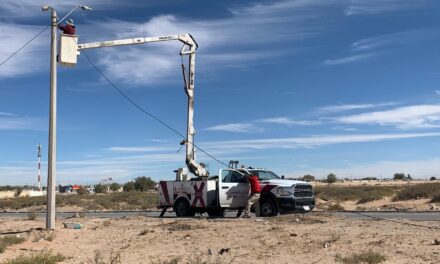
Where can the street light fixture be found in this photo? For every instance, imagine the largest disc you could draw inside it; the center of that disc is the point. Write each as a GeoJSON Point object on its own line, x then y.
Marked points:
{"type": "Point", "coordinates": [86, 8]}
{"type": "Point", "coordinates": [51, 177]}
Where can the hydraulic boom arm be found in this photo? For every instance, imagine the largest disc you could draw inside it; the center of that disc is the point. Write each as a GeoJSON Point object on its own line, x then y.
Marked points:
{"type": "Point", "coordinates": [189, 48]}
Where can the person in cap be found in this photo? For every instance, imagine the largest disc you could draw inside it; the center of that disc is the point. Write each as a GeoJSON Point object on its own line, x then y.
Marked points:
{"type": "Point", "coordinates": [68, 28]}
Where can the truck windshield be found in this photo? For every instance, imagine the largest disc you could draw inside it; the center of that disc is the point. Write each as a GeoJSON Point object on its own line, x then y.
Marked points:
{"type": "Point", "coordinates": [265, 175]}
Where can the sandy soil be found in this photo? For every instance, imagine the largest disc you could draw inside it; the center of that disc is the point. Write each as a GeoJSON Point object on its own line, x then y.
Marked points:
{"type": "Point", "coordinates": [385, 204]}
{"type": "Point", "coordinates": [284, 239]}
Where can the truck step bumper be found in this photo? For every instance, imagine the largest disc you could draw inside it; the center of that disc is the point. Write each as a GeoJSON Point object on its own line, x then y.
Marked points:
{"type": "Point", "coordinates": [289, 204]}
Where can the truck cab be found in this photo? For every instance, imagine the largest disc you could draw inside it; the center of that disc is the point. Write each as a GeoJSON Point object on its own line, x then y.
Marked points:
{"type": "Point", "coordinates": [277, 194]}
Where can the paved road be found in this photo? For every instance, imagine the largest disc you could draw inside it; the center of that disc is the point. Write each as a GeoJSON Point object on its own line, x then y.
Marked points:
{"type": "Point", "coordinates": [415, 216]}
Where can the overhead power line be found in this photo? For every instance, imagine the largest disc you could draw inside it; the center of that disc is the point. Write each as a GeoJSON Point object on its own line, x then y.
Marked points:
{"type": "Point", "coordinates": [121, 92]}
{"type": "Point", "coordinates": [23, 46]}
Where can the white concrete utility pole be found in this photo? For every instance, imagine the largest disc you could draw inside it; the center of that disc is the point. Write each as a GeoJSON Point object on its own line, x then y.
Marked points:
{"type": "Point", "coordinates": [51, 178]}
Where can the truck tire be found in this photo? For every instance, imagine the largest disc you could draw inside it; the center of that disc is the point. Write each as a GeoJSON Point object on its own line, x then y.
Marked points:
{"type": "Point", "coordinates": [216, 212]}
{"type": "Point", "coordinates": [183, 209]}
{"type": "Point", "coordinates": [268, 207]}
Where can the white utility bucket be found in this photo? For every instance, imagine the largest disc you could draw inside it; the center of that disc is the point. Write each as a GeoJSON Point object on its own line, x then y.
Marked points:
{"type": "Point", "coordinates": [68, 50]}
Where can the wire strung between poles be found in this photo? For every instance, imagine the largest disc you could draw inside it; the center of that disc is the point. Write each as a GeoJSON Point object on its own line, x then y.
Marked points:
{"type": "Point", "coordinates": [23, 46]}
{"type": "Point", "coordinates": [145, 111]}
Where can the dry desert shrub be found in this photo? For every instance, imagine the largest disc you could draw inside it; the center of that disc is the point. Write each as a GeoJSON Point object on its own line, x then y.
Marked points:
{"type": "Point", "coordinates": [110, 201]}
{"type": "Point", "coordinates": [8, 241]}
{"type": "Point", "coordinates": [42, 257]}
{"type": "Point", "coordinates": [32, 215]}
{"type": "Point", "coordinates": [417, 191]}
{"type": "Point", "coordinates": [361, 193]}
{"type": "Point", "coordinates": [369, 257]}
{"type": "Point", "coordinates": [113, 258]}
{"type": "Point", "coordinates": [335, 207]}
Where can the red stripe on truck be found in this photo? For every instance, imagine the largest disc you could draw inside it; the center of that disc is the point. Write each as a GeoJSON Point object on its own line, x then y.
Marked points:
{"type": "Point", "coordinates": [198, 195]}
{"type": "Point", "coordinates": [164, 187]}
{"type": "Point", "coordinates": [267, 188]}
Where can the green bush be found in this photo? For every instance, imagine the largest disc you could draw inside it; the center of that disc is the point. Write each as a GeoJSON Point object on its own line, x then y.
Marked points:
{"type": "Point", "coordinates": [417, 191]}
{"type": "Point", "coordinates": [399, 176]}
{"type": "Point", "coordinates": [308, 178]}
{"type": "Point", "coordinates": [129, 187]}
{"type": "Point", "coordinates": [100, 188]}
{"type": "Point", "coordinates": [115, 187]}
{"type": "Point", "coordinates": [331, 178]}
{"type": "Point", "coordinates": [144, 184]}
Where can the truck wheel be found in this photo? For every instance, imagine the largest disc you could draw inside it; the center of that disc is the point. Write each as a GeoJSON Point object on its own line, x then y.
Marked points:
{"type": "Point", "coordinates": [182, 208]}
{"type": "Point", "coordinates": [216, 212]}
{"type": "Point", "coordinates": [268, 207]}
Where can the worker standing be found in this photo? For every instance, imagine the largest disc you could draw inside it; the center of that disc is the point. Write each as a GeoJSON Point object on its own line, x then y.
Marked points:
{"type": "Point", "coordinates": [68, 28]}
{"type": "Point", "coordinates": [254, 196]}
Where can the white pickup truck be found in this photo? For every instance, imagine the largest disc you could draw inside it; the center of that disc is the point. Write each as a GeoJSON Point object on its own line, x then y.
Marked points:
{"type": "Point", "coordinates": [230, 190]}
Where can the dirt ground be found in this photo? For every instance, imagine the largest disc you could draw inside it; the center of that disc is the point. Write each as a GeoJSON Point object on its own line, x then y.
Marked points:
{"type": "Point", "coordinates": [316, 238]}
{"type": "Point", "coordinates": [385, 204]}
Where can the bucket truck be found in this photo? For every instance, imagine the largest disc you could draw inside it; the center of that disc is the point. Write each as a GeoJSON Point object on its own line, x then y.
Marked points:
{"type": "Point", "coordinates": [215, 194]}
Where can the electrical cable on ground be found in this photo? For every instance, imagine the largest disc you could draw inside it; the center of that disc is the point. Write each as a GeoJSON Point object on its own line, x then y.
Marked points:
{"type": "Point", "coordinates": [23, 46]}
{"type": "Point", "coordinates": [394, 221]}
{"type": "Point", "coordinates": [145, 111]}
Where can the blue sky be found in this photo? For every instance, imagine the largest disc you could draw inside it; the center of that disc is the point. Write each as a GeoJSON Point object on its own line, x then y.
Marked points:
{"type": "Point", "coordinates": [296, 86]}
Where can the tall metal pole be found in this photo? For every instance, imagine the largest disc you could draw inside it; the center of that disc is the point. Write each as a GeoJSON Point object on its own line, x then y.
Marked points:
{"type": "Point", "coordinates": [51, 178]}
{"type": "Point", "coordinates": [39, 168]}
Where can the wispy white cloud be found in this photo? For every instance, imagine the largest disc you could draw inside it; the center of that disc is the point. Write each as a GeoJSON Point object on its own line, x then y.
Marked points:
{"type": "Point", "coordinates": [349, 107]}
{"type": "Point", "coordinates": [308, 142]}
{"type": "Point", "coordinates": [289, 122]}
{"type": "Point", "coordinates": [157, 140]}
{"type": "Point", "coordinates": [28, 60]}
{"type": "Point", "coordinates": [373, 7]}
{"type": "Point", "coordinates": [393, 39]}
{"type": "Point", "coordinates": [287, 21]}
{"type": "Point", "coordinates": [235, 128]}
{"type": "Point", "coordinates": [349, 59]}
{"type": "Point", "coordinates": [345, 128]}
{"type": "Point", "coordinates": [7, 114]}
{"type": "Point", "coordinates": [416, 116]}
{"type": "Point", "coordinates": [140, 149]}
{"type": "Point", "coordinates": [32, 8]}
{"type": "Point", "coordinates": [21, 123]}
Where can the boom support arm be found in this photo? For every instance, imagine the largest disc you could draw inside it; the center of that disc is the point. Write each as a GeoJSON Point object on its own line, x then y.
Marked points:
{"type": "Point", "coordinates": [189, 48]}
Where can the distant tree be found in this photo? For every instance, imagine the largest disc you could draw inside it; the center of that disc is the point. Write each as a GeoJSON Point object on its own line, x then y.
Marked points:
{"type": "Point", "coordinates": [408, 177]}
{"type": "Point", "coordinates": [308, 178]}
{"type": "Point", "coordinates": [82, 190]}
{"type": "Point", "coordinates": [369, 179]}
{"type": "Point", "coordinates": [399, 176]}
{"type": "Point", "coordinates": [129, 187]}
{"type": "Point", "coordinates": [115, 187]}
{"type": "Point", "coordinates": [331, 178]}
{"type": "Point", "coordinates": [100, 188]}
{"type": "Point", "coordinates": [433, 178]}
{"type": "Point", "coordinates": [144, 184]}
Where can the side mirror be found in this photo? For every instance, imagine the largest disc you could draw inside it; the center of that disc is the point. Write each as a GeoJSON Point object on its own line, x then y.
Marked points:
{"type": "Point", "coordinates": [282, 177]}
